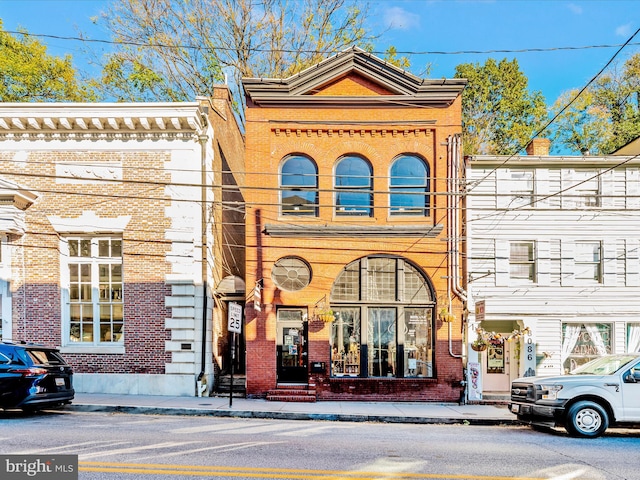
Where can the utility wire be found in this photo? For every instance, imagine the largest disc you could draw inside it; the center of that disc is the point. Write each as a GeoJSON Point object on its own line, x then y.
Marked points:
{"type": "Point", "coordinates": [313, 52]}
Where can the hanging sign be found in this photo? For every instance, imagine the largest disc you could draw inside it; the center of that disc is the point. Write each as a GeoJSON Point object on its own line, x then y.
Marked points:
{"type": "Point", "coordinates": [480, 311]}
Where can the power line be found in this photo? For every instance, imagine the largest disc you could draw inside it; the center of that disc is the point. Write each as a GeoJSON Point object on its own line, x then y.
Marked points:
{"type": "Point", "coordinates": [314, 52]}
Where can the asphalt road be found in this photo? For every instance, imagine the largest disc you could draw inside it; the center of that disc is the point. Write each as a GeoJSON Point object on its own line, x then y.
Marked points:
{"type": "Point", "coordinates": [148, 447]}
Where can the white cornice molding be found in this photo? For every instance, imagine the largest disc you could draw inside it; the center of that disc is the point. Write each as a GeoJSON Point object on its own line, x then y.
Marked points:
{"type": "Point", "coordinates": [73, 121]}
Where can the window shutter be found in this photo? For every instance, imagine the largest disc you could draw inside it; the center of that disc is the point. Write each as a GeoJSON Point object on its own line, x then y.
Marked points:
{"type": "Point", "coordinates": [632, 263]}
{"type": "Point", "coordinates": [567, 260]}
{"type": "Point", "coordinates": [502, 263]}
{"type": "Point", "coordinates": [609, 262]}
{"type": "Point", "coordinates": [543, 263]}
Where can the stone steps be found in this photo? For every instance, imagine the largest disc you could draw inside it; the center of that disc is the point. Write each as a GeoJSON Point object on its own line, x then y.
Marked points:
{"type": "Point", "coordinates": [293, 393]}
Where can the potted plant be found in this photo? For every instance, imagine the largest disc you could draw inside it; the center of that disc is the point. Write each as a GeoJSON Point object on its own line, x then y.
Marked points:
{"type": "Point", "coordinates": [481, 342]}
{"type": "Point", "coordinates": [326, 315]}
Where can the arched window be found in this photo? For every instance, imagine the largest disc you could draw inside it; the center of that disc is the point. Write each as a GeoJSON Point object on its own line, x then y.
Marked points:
{"type": "Point", "coordinates": [409, 186]}
{"type": "Point", "coordinates": [299, 186]}
{"type": "Point", "coordinates": [354, 187]}
{"type": "Point", "coordinates": [383, 309]}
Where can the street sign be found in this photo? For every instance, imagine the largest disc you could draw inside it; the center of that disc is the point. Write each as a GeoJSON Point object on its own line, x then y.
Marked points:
{"type": "Point", "coordinates": [235, 317]}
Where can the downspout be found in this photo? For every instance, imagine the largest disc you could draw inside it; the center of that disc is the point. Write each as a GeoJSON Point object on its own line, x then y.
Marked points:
{"type": "Point", "coordinates": [453, 240]}
{"type": "Point", "coordinates": [453, 162]}
{"type": "Point", "coordinates": [201, 382]}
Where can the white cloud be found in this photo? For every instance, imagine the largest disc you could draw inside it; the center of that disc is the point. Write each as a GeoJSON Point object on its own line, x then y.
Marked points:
{"type": "Point", "coordinates": [577, 9]}
{"type": "Point", "coordinates": [399, 19]}
{"type": "Point", "coordinates": [624, 30]}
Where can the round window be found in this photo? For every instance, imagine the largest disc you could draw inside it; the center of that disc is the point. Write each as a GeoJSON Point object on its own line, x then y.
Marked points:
{"type": "Point", "coordinates": [291, 274]}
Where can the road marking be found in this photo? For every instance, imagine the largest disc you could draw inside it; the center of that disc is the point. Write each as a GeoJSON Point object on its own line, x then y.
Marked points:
{"type": "Point", "coordinates": [222, 448]}
{"type": "Point", "coordinates": [127, 451]}
{"type": "Point", "coordinates": [73, 446]}
{"type": "Point", "coordinates": [227, 427]}
{"type": "Point", "coordinates": [213, 471]}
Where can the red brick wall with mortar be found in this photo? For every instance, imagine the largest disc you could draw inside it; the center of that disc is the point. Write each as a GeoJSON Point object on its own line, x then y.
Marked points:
{"type": "Point", "coordinates": [36, 279]}
{"type": "Point", "coordinates": [379, 135]}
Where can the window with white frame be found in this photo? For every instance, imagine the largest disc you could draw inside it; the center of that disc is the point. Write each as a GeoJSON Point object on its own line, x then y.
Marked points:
{"type": "Point", "coordinates": [582, 342]}
{"type": "Point", "coordinates": [633, 337]}
{"type": "Point", "coordinates": [95, 313]}
{"type": "Point", "coordinates": [522, 187]}
{"type": "Point", "coordinates": [586, 189]}
{"type": "Point", "coordinates": [588, 262]}
{"type": "Point", "coordinates": [522, 261]}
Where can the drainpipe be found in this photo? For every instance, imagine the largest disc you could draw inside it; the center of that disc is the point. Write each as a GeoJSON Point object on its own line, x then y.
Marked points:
{"type": "Point", "coordinates": [453, 240]}
{"type": "Point", "coordinates": [203, 138]}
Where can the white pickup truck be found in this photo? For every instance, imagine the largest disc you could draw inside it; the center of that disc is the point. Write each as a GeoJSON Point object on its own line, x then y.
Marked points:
{"type": "Point", "coordinates": [604, 392]}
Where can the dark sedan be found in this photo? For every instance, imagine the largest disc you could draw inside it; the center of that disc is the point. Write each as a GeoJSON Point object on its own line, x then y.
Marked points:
{"type": "Point", "coordinates": [33, 377]}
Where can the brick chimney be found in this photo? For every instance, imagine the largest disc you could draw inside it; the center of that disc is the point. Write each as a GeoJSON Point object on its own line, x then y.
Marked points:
{"type": "Point", "coordinates": [539, 147]}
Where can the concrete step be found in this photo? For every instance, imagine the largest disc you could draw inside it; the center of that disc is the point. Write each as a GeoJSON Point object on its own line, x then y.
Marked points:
{"type": "Point", "coordinates": [292, 393]}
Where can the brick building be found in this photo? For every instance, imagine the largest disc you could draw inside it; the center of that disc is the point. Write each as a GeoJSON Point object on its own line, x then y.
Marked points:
{"type": "Point", "coordinates": [351, 234]}
{"type": "Point", "coordinates": [109, 239]}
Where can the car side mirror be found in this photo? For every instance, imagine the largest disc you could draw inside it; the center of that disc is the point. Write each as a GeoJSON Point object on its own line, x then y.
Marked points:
{"type": "Point", "coordinates": [630, 378]}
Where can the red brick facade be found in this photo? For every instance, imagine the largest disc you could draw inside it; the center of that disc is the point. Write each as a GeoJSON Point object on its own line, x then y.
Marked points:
{"type": "Point", "coordinates": [365, 110]}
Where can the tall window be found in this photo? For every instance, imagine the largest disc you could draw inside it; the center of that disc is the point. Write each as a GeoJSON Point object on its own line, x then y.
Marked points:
{"type": "Point", "coordinates": [299, 186]}
{"type": "Point", "coordinates": [522, 261]}
{"type": "Point", "coordinates": [383, 323]}
{"type": "Point", "coordinates": [95, 290]}
{"type": "Point", "coordinates": [354, 187]}
{"type": "Point", "coordinates": [409, 186]}
{"type": "Point", "coordinates": [588, 262]}
{"type": "Point", "coordinates": [522, 187]}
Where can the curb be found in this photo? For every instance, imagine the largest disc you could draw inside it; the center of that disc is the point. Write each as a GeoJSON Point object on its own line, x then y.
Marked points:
{"type": "Point", "coordinates": [334, 417]}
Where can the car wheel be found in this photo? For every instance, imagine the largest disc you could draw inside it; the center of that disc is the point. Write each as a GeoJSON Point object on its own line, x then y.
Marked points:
{"type": "Point", "coordinates": [586, 419]}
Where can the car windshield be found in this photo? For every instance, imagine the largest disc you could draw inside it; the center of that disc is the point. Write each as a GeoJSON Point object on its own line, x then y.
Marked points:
{"type": "Point", "coordinates": [604, 365]}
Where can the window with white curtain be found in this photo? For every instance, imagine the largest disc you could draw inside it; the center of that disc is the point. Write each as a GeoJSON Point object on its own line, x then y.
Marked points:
{"type": "Point", "coordinates": [633, 337]}
{"type": "Point", "coordinates": [582, 342]}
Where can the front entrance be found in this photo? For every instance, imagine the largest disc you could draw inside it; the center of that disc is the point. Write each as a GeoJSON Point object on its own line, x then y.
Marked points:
{"type": "Point", "coordinates": [497, 369]}
{"type": "Point", "coordinates": [292, 345]}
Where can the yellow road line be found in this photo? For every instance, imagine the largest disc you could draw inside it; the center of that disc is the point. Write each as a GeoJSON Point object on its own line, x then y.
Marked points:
{"type": "Point", "coordinates": [272, 473]}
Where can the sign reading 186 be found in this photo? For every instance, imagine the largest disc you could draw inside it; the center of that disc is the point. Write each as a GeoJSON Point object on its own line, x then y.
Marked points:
{"type": "Point", "coordinates": [235, 317]}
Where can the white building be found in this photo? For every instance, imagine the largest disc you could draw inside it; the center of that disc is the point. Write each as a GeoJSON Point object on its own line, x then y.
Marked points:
{"type": "Point", "coordinates": [553, 244]}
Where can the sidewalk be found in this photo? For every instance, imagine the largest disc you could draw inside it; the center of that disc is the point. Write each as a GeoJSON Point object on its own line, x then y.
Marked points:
{"type": "Point", "coordinates": [390, 412]}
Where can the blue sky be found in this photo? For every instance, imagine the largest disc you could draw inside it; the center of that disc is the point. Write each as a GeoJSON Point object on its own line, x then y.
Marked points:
{"type": "Point", "coordinates": [427, 26]}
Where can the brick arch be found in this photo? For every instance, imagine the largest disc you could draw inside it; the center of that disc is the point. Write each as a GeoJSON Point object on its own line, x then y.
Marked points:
{"type": "Point", "coordinates": [353, 147]}
{"type": "Point", "coordinates": [300, 147]}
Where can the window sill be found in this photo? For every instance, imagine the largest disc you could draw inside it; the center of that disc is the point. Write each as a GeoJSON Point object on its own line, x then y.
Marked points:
{"type": "Point", "coordinates": [93, 349]}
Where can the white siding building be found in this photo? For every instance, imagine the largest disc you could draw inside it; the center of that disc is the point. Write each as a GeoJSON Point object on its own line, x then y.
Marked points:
{"type": "Point", "coordinates": [553, 245]}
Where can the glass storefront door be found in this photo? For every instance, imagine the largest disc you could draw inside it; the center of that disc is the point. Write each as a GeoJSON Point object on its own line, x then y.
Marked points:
{"type": "Point", "coordinates": [292, 346]}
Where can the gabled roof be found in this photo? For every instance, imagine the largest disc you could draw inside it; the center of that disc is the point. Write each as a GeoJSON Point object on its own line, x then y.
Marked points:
{"type": "Point", "coordinates": [631, 148]}
{"type": "Point", "coordinates": [401, 85]}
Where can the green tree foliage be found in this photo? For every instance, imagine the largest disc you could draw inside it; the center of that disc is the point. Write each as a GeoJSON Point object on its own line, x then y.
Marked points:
{"type": "Point", "coordinates": [583, 126]}
{"type": "Point", "coordinates": [499, 114]}
{"type": "Point", "coordinates": [605, 116]}
{"type": "Point", "coordinates": [29, 74]}
{"type": "Point", "coordinates": [177, 50]}
{"type": "Point", "coordinates": [618, 93]}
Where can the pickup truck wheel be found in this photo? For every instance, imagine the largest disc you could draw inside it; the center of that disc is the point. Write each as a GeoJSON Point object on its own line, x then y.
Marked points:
{"type": "Point", "coordinates": [586, 419]}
